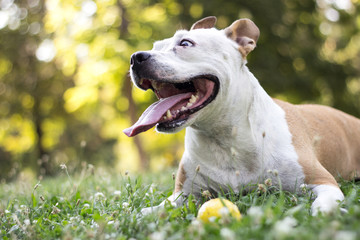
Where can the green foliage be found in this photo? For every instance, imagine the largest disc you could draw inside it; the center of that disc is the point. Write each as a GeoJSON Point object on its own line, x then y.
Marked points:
{"type": "Point", "coordinates": [64, 91]}
{"type": "Point", "coordinates": [102, 205]}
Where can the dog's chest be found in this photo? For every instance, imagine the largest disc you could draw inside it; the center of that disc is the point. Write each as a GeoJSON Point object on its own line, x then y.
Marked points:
{"type": "Point", "coordinates": [233, 165]}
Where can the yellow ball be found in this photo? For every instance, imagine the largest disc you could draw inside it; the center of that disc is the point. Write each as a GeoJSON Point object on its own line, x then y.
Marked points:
{"type": "Point", "coordinates": [218, 208]}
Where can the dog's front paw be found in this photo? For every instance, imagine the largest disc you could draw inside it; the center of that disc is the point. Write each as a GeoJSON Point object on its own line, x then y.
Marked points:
{"type": "Point", "coordinates": [325, 206]}
{"type": "Point", "coordinates": [149, 210]}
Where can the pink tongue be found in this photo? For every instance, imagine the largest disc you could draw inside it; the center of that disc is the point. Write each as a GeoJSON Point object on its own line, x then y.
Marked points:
{"type": "Point", "coordinates": [154, 113]}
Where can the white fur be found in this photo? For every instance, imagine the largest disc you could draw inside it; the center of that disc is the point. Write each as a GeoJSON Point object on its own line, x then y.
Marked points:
{"type": "Point", "coordinates": [327, 198]}
{"type": "Point", "coordinates": [242, 133]}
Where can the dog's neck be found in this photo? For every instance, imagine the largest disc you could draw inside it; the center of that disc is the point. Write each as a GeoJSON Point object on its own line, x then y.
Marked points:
{"type": "Point", "coordinates": [241, 126]}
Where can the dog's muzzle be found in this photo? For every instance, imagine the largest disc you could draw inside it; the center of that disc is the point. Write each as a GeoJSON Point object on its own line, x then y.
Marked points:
{"type": "Point", "coordinates": [178, 98]}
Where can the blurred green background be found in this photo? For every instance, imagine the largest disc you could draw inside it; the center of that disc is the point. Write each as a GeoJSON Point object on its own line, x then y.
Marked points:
{"type": "Point", "coordinates": [65, 95]}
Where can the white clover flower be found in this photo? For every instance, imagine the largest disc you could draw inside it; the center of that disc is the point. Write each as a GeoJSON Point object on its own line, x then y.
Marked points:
{"type": "Point", "coordinates": [227, 234]}
{"type": "Point", "coordinates": [63, 166]}
{"type": "Point", "coordinates": [117, 193]}
{"type": "Point", "coordinates": [125, 204]}
{"type": "Point", "coordinates": [99, 195]}
{"type": "Point", "coordinates": [345, 235]}
{"type": "Point", "coordinates": [86, 205]}
{"type": "Point", "coordinates": [196, 223]}
{"type": "Point", "coordinates": [256, 213]}
{"type": "Point", "coordinates": [158, 235]}
{"type": "Point", "coordinates": [285, 227]}
{"type": "Point", "coordinates": [27, 222]}
{"type": "Point", "coordinates": [196, 226]}
{"type": "Point", "coordinates": [151, 188]}
{"type": "Point", "coordinates": [224, 212]}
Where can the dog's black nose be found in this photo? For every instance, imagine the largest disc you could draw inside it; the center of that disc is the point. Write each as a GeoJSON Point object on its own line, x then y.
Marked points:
{"type": "Point", "coordinates": [139, 57]}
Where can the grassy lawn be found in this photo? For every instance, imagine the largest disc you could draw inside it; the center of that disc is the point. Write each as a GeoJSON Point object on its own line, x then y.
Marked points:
{"type": "Point", "coordinates": [96, 204]}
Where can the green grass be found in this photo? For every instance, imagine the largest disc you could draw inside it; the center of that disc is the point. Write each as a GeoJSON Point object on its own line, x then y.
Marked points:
{"type": "Point", "coordinates": [102, 205]}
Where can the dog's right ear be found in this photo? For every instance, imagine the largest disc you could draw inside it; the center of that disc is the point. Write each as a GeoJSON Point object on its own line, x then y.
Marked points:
{"type": "Point", "coordinates": [208, 22]}
{"type": "Point", "coordinates": [245, 33]}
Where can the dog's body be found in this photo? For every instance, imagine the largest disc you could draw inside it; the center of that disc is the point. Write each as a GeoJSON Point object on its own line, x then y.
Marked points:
{"type": "Point", "coordinates": [236, 132]}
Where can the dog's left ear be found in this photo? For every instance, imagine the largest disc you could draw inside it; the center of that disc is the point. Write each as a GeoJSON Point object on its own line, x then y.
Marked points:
{"type": "Point", "coordinates": [208, 22]}
{"type": "Point", "coordinates": [245, 33]}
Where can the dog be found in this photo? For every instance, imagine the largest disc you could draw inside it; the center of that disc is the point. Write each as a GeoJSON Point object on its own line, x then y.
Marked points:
{"type": "Point", "coordinates": [235, 132]}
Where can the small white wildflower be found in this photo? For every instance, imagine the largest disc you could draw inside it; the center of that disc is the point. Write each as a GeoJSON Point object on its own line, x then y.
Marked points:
{"type": "Point", "coordinates": [158, 235]}
{"type": "Point", "coordinates": [285, 227]}
{"type": "Point", "coordinates": [152, 187]}
{"type": "Point", "coordinates": [196, 223]}
{"type": "Point", "coordinates": [303, 188]}
{"type": "Point", "coordinates": [206, 194]}
{"type": "Point", "coordinates": [276, 173]}
{"type": "Point", "coordinates": [27, 222]}
{"type": "Point", "coordinates": [262, 188]}
{"type": "Point", "coordinates": [227, 234]}
{"type": "Point", "coordinates": [99, 195]}
{"type": "Point", "coordinates": [34, 221]}
{"type": "Point", "coordinates": [117, 193]}
{"type": "Point", "coordinates": [224, 212]}
{"type": "Point", "coordinates": [7, 211]}
{"type": "Point", "coordinates": [212, 219]}
{"type": "Point", "coordinates": [55, 210]}
{"type": "Point", "coordinates": [125, 204]}
{"type": "Point", "coordinates": [86, 205]}
{"type": "Point", "coordinates": [63, 166]}
{"type": "Point", "coordinates": [268, 182]}
{"type": "Point", "coordinates": [196, 226]}
{"type": "Point", "coordinates": [94, 224]}
{"type": "Point", "coordinates": [110, 222]}
{"type": "Point", "coordinates": [345, 235]}
{"type": "Point", "coordinates": [83, 144]}
{"type": "Point", "coordinates": [256, 213]}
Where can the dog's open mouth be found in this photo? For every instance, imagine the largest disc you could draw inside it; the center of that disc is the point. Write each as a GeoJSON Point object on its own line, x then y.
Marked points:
{"type": "Point", "coordinates": [177, 101]}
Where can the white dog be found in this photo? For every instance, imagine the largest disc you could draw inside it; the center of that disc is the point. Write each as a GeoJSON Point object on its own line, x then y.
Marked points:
{"type": "Point", "coordinates": [235, 131]}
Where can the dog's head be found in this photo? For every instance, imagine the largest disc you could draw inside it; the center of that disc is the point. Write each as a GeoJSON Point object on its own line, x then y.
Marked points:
{"type": "Point", "coordinates": [189, 71]}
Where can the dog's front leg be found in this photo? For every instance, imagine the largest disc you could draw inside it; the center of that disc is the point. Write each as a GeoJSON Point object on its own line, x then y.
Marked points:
{"type": "Point", "coordinates": [177, 199]}
{"type": "Point", "coordinates": [327, 198]}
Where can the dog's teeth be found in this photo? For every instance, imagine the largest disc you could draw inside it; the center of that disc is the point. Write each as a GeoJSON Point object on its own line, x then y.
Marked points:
{"type": "Point", "coordinates": [193, 98]}
{"type": "Point", "coordinates": [183, 108]}
{"type": "Point", "coordinates": [189, 104]}
{"type": "Point", "coordinates": [168, 114]}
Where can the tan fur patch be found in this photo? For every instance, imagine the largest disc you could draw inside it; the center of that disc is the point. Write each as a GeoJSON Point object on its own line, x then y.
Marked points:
{"type": "Point", "coordinates": [326, 140]}
{"type": "Point", "coordinates": [180, 178]}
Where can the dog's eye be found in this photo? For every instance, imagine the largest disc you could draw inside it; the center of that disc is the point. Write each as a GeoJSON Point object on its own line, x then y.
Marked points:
{"type": "Point", "coordinates": [186, 43]}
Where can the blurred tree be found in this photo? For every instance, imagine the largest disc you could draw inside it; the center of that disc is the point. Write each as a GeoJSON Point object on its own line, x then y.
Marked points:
{"type": "Point", "coordinates": [64, 92]}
